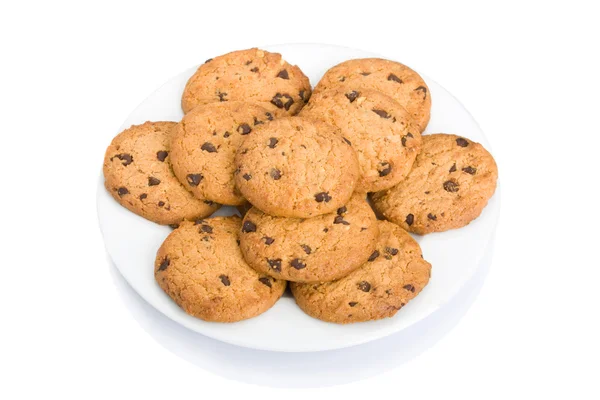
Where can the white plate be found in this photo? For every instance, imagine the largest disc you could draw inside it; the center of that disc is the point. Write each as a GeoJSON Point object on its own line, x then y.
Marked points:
{"type": "Point", "coordinates": [131, 241]}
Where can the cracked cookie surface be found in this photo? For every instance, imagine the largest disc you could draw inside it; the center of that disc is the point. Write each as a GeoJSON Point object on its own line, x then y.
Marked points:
{"type": "Point", "coordinates": [322, 248]}
{"type": "Point", "coordinates": [138, 175]}
{"type": "Point", "coordinates": [392, 78]}
{"type": "Point", "coordinates": [450, 184]}
{"type": "Point", "coordinates": [254, 76]}
{"type": "Point", "coordinates": [203, 147]}
{"type": "Point", "coordinates": [380, 130]}
{"type": "Point", "coordinates": [394, 274]}
{"type": "Point", "coordinates": [296, 167]}
{"type": "Point", "coordinates": [200, 266]}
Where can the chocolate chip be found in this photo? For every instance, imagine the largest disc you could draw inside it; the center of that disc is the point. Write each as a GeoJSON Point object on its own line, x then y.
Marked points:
{"type": "Point", "coordinates": [392, 77]}
{"type": "Point", "coordinates": [365, 73]}
{"type": "Point", "coordinates": [322, 197]}
{"type": "Point", "coordinates": [198, 222]}
{"type": "Point", "coordinates": [452, 168]}
{"type": "Point", "coordinates": [462, 142]}
{"type": "Point", "coordinates": [470, 170]}
{"type": "Point", "coordinates": [347, 141]}
{"type": "Point", "coordinates": [268, 240]}
{"type": "Point", "coordinates": [164, 264]}
{"type": "Point", "coordinates": [352, 95]}
{"type": "Point", "coordinates": [364, 286]}
{"type": "Point", "coordinates": [342, 78]}
{"type": "Point", "coordinates": [388, 291]}
{"type": "Point", "coordinates": [342, 210]}
{"type": "Point", "coordinates": [206, 228]}
{"type": "Point", "coordinates": [122, 191]}
{"type": "Point", "coordinates": [283, 74]}
{"type": "Point", "coordinates": [373, 256]}
{"type": "Point", "coordinates": [244, 129]}
{"type": "Point", "coordinates": [352, 303]}
{"type": "Point", "coordinates": [248, 227]}
{"type": "Point", "coordinates": [451, 186]}
{"type": "Point", "coordinates": [210, 203]}
{"type": "Point", "coordinates": [423, 90]}
{"type": "Point", "coordinates": [209, 60]}
{"type": "Point", "coordinates": [224, 280]}
{"type": "Point", "coordinates": [381, 113]}
{"type": "Point", "coordinates": [275, 174]}
{"type": "Point", "coordinates": [257, 121]}
{"type": "Point", "coordinates": [431, 217]}
{"type": "Point", "coordinates": [409, 287]}
{"type": "Point", "coordinates": [162, 155]}
{"type": "Point", "coordinates": [301, 94]}
{"type": "Point", "coordinates": [152, 181]}
{"type": "Point", "coordinates": [126, 158]}
{"type": "Point", "coordinates": [427, 192]}
{"type": "Point", "coordinates": [194, 179]}
{"type": "Point", "coordinates": [340, 220]}
{"type": "Point", "coordinates": [410, 219]}
{"type": "Point", "coordinates": [222, 96]}
{"type": "Point", "coordinates": [306, 248]}
{"type": "Point", "coordinates": [161, 203]}
{"type": "Point", "coordinates": [209, 147]}
{"type": "Point", "coordinates": [297, 263]}
{"type": "Point", "coordinates": [325, 230]}
{"type": "Point", "coordinates": [269, 116]}
{"type": "Point", "coordinates": [226, 134]}
{"type": "Point", "coordinates": [143, 196]}
{"type": "Point", "coordinates": [247, 177]}
{"type": "Point", "coordinates": [248, 62]}
{"type": "Point", "coordinates": [384, 168]}
{"type": "Point", "coordinates": [273, 142]}
{"type": "Point", "coordinates": [265, 281]}
{"type": "Point", "coordinates": [275, 264]}
{"type": "Point", "coordinates": [255, 69]}
{"type": "Point", "coordinates": [237, 241]}
{"type": "Point", "coordinates": [279, 103]}
{"type": "Point", "coordinates": [403, 140]}
{"type": "Point", "coordinates": [363, 229]}
{"type": "Point", "coordinates": [174, 226]}
{"type": "Point", "coordinates": [391, 250]}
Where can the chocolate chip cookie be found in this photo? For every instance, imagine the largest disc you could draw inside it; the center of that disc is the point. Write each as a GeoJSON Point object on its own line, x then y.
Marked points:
{"type": "Point", "coordinates": [204, 143]}
{"type": "Point", "coordinates": [254, 76]}
{"type": "Point", "coordinates": [450, 184]}
{"type": "Point", "coordinates": [138, 175]}
{"type": "Point", "coordinates": [201, 268]}
{"type": "Point", "coordinates": [296, 167]}
{"type": "Point", "coordinates": [322, 248]}
{"type": "Point", "coordinates": [392, 78]}
{"type": "Point", "coordinates": [379, 129]}
{"type": "Point", "coordinates": [394, 274]}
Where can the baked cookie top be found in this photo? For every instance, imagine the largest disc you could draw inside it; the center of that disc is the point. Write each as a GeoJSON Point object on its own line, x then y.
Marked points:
{"type": "Point", "coordinates": [138, 175]}
{"type": "Point", "coordinates": [380, 130]}
{"type": "Point", "coordinates": [201, 268]}
{"type": "Point", "coordinates": [321, 248]}
{"type": "Point", "coordinates": [392, 78]}
{"type": "Point", "coordinates": [394, 274]}
{"type": "Point", "coordinates": [204, 143]}
{"type": "Point", "coordinates": [254, 76]}
{"type": "Point", "coordinates": [451, 182]}
{"type": "Point", "coordinates": [296, 167]}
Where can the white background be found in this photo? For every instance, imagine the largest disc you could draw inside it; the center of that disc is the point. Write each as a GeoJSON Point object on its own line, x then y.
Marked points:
{"type": "Point", "coordinates": [527, 71]}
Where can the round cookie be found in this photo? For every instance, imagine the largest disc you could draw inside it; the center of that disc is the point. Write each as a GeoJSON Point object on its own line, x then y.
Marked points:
{"type": "Point", "coordinates": [138, 175]}
{"type": "Point", "coordinates": [203, 147]}
{"type": "Point", "coordinates": [381, 131]}
{"type": "Point", "coordinates": [451, 182]}
{"type": "Point", "coordinates": [392, 78]}
{"type": "Point", "coordinates": [394, 274]}
{"type": "Point", "coordinates": [296, 167]}
{"type": "Point", "coordinates": [254, 76]}
{"type": "Point", "coordinates": [322, 248]}
{"type": "Point", "coordinates": [201, 268]}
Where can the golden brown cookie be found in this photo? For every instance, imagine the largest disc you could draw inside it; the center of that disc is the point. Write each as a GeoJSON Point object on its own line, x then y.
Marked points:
{"type": "Point", "coordinates": [201, 268]}
{"type": "Point", "coordinates": [138, 175]}
{"type": "Point", "coordinates": [296, 167]}
{"type": "Point", "coordinates": [394, 274]}
{"type": "Point", "coordinates": [253, 76]}
{"type": "Point", "coordinates": [203, 147]}
{"type": "Point", "coordinates": [381, 131]}
{"type": "Point", "coordinates": [322, 248]}
{"type": "Point", "coordinates": [450, 184]}
{"type": "Point", "coordinates": [392, 78]}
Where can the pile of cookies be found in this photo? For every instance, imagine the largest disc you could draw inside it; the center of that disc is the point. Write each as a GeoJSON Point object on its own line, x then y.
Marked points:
{"type": "Point", "coordinates": [306, 170]}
